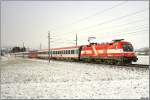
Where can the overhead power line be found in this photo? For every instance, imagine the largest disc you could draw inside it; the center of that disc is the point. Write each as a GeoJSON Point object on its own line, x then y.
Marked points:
{"type": "Point", "coordinates": [121, 25]}
{"type": "Point", "coordinates": [130, 33]}
{"type": "Point", "coordinates": [114, 19]}
{"type": "Point", "coordinates": [98, 13]}
{"type": "Point", "coordinates": [123, 33]}
{"type": "Point", "coordinates": [107, 33]}
{"type": "Point", "coordinates": [134, 27]}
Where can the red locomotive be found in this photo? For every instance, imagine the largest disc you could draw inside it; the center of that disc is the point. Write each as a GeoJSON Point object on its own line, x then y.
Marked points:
{"type": "Point", "coordinates": [116, 52]}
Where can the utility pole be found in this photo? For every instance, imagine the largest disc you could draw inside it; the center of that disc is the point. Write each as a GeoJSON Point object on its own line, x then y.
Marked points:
{"type": "Point", "coordinates": [76, 39]}
{"type": "Point", "coordinates": [49, 46]}
{"type": "Point", "coordinates": [0, 30]}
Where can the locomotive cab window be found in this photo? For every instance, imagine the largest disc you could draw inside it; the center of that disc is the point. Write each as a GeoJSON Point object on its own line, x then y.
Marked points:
{"type": "Point", "coordinates": [127, 47]}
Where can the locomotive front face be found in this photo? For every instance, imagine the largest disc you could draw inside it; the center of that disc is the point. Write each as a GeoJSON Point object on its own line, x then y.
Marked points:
{"type": "Point", "coordinates": [128, 51]}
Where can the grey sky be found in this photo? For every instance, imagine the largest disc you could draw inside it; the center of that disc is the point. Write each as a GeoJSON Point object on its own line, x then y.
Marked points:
{"type": "Point", "coordinates": [30, 21]}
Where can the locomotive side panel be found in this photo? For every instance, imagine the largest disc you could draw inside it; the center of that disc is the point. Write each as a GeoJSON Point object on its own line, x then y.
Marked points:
{"type": "Point", "coordinates": [109, 52]}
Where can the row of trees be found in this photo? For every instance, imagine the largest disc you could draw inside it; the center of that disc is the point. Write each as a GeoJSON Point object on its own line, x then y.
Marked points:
{"type": "Point", "coordinates": [18, 49]}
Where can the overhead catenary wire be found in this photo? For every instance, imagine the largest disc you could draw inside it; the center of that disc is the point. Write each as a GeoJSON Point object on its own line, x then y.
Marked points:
{"type": "Point", "coordinates": [120, 25]}
{"type": "Point", "coordinates": [81, 41]}
{"type": "Point", "coordinates": [134, 27]}
{"type": "Point", "coordinates": [126, 33]}
{"type": "Point", "coordinates": [109, 21]}
{"type": "Point", "coordinates": [107, 35]}
{"type": "Point", "coordinates": [114, 19]}
{"type": "Point", "coordinates": [97, 13]}
{"type": "Point", "coordinates": [122, 30]}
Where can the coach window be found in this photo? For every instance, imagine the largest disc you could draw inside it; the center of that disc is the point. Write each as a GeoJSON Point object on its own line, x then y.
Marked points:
{"type": "Point", "coordinates": [66, 51]}
{"type": "Point", "coordinates": [71, 51]}
{"type": "Point", "coordinates": [77, 51]}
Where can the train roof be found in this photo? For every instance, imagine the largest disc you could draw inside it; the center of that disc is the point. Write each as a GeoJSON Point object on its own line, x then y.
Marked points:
{"type": "Point", "coordinates": [62, 48]}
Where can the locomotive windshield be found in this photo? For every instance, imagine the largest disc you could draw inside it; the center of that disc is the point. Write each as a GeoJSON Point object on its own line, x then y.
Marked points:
{"type": "Point", "coordinates": [127, 47]}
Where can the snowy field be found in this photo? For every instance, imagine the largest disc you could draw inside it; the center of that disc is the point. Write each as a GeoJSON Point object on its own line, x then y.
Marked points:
{"type": "Point", "coordinates": [37, 79]}
{"type": "Point", "coordinates": [142, 59]}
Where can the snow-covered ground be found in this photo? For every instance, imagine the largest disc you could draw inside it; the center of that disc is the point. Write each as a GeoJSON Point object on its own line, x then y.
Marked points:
{"type": "Point", "coordinates": [38, 79]}
{"type": "Point", "coordinates": [142, 59]}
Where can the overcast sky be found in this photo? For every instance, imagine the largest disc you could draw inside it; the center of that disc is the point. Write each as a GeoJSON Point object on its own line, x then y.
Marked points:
{"type": "Point", "coordinates": [30, 21]}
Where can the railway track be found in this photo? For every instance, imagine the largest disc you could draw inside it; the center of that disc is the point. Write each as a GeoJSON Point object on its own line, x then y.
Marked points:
{"type": "Point", "coordinates": [138, 65]}
{"type": "Point", "coordinates": [127, 65]}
